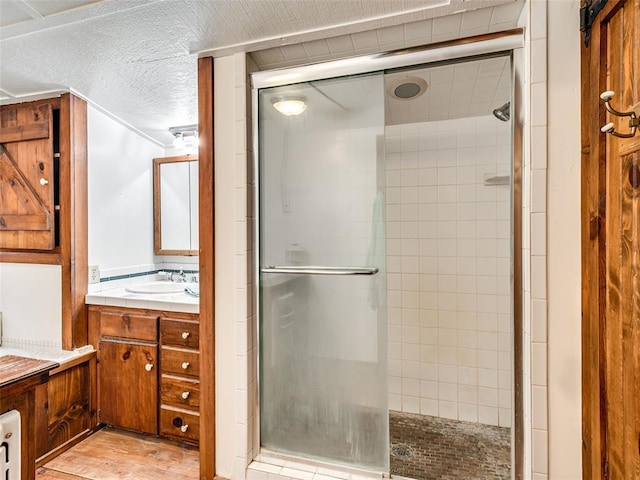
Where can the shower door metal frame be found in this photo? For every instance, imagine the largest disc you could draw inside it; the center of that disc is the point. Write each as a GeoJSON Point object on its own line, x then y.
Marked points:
{"type": "Point", "coordinates": [470, 48]}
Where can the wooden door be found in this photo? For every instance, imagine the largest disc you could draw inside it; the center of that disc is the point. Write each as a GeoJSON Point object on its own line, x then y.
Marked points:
{"type": "Point", "coordinates": [128, 385]}
{"type": "Point", "coordinates": [611, 247]}
{"type": "Point", "coordinates": [27, 178]}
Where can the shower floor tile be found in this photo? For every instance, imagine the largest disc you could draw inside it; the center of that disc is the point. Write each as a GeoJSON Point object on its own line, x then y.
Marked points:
{"type": "Point", "coordinates": [445, 449]}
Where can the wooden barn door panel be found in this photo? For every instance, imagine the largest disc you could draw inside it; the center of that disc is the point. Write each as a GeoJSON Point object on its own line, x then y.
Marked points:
{"type": "Point", "coordinates": [27, 178]}
{"type": "Point", "coordinates": [611, 248]}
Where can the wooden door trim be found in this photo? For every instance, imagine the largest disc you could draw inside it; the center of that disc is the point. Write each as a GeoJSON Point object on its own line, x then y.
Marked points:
{"type": "Point", "coordinates": [595, 244]}
{"type": "Point", "coordinates": [206, 191]}
{"type": "Point", "coordinates": [73, 223]}
{"type": "Point", "coordinates": [593, 216]}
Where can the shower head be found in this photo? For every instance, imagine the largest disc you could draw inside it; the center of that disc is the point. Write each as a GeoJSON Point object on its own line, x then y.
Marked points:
{"type": "Point", "coordinates": [504, 112]}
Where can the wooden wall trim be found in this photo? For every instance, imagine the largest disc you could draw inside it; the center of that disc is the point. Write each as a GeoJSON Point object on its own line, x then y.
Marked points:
{"type": "Point", "coordinates": [44, 258]}
{"type": "Point", "coordinates": [73, 219]}
{"type": "Point", "coordinates": [207, 268]}
{"type": "Point", "coordinates": [590, 225]}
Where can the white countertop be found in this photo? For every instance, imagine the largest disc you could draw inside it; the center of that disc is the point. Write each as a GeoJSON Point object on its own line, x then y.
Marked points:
{"type": "Point", "coordinates": [42, 353]}
{"type": "Point", "coordinates": [120, 297]}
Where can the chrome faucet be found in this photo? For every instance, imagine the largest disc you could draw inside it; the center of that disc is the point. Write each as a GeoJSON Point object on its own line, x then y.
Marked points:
{"type": "Point", "coordinates": [179, 277]}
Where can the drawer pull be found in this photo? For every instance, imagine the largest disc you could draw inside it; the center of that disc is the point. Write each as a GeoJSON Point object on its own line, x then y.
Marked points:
{"type": "Point", "coordinates": [184, 428]}
{"type": "Point", "coordinates": [185, 335]}
{"type": "Point", "coordinates": [185, 395]}
{"type": "Point", "coordinates": [148, 367]}
{"type": "Point", "coordinates": [185, 365]}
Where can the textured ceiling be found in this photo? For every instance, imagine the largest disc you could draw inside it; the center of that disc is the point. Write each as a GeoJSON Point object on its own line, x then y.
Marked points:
{"type": "Point", "coordinates": [137, 59]}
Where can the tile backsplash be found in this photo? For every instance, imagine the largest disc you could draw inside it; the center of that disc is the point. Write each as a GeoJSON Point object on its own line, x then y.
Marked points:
{"type": "Point", "coordinates": [120, 277]}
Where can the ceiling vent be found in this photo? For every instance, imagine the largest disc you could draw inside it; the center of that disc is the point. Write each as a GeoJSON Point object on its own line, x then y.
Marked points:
{"type": "Point", "coordinates": [407, 88]}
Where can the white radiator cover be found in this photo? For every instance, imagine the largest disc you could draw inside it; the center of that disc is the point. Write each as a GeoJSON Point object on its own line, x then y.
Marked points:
{"type": "Point", "coordinates": [10, 445]}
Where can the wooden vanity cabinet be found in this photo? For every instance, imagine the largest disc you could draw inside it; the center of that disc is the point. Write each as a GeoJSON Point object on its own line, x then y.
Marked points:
{"type": "Point", "coordinates": [128, 384]}
{"type": "Point", "coordinates": [142, 385]}
{"type": "Point", "coordinates": [127, 367]}
{"type": "Point", "coordinates": [180, 377]}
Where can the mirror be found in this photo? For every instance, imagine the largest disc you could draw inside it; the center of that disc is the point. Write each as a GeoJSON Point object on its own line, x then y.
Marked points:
{"type": "Point", "coordinates": [175, 205]}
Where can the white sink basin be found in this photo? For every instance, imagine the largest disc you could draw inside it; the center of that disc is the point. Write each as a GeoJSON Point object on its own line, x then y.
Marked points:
{"type": "Point", "coordinates": [160, 287]}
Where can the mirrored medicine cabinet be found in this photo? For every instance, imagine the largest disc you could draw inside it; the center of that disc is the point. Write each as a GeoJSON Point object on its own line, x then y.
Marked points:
{"type": "Point", "coordinates": [175, 205]}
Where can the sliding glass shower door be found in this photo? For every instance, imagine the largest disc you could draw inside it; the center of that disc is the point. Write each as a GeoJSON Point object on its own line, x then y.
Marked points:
{"type": "Point", "coordinates": [323, 362]}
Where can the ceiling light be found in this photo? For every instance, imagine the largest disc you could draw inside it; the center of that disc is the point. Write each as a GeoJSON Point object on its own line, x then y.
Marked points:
{"type": "Point", "coordinates": [289, 105]}
{"type": "Point", "coordinates": [178, 141]}
{"type": "Point", "coordinates": [185, 136]}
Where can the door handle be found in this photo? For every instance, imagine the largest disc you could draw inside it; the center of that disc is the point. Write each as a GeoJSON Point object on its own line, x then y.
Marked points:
{"type": "Point", "coordinates": [316, 270]}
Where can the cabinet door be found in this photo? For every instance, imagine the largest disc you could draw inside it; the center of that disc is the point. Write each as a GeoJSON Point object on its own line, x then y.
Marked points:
{"type": "Point", "coordinates": [128, 385]}
{"type": "Point", "coordinates": [27, 178]}
{"type": "Point", "coordinates": [62, 408]}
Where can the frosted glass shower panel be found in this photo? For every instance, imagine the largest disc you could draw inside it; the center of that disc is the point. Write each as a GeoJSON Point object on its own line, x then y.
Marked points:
{"type": "Point", "coordinates": [322, 282]}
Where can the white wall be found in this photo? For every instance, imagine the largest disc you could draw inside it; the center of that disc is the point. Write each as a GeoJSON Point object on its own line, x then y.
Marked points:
{"type": "Point", "coordinates": [228, 241]}
{"type": "Point", "coordinates": [449, 269]}
{"type": "Point", "coordinates": [120, 196]}
{"type": "Point", "coordinates": [31, 304]}
{"type": "Point", "coordinates": [563, 240]}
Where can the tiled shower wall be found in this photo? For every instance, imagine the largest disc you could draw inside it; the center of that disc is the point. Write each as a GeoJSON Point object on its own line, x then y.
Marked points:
{"type": "Point", "coordinates": [449, 269]}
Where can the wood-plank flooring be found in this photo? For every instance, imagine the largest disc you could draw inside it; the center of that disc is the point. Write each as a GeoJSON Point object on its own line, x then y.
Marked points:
{"type": "Point", "coordinates": [112, 454]}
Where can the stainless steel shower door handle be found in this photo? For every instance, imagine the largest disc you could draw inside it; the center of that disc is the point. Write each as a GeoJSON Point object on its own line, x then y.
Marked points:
{"type": "Point", "coordinates": [315, 270]}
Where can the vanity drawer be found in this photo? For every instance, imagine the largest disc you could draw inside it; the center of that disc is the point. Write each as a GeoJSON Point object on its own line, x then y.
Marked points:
{"type": "Point", "coordinates": [180, 361]}
{"type": "Point", "coordinates": [179, 423]}
{"type": "Point", "coordinates": [129, 324]}
{"type": "Point", "coordinates": [180, 333]}
{"type": "Point", "coordinates": [174, 389]}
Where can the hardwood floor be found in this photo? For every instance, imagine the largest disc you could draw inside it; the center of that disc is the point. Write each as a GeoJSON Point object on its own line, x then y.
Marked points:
{"type": "Point", "coordinates": [112, 454]}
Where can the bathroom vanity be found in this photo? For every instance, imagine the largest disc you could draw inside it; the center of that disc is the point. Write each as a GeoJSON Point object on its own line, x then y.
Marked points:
{"type": "Point", "coordinates": [148, 371]}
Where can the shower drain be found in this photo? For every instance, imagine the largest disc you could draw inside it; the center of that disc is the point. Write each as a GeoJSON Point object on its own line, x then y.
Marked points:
{"type": "Point", "coordinates": [401, 450]}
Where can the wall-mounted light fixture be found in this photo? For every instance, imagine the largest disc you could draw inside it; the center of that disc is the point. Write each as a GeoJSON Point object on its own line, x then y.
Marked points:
{"type": "Point", "coordinates": [289, 105]}
{"type": "Point", "coordinates": [185, 136]}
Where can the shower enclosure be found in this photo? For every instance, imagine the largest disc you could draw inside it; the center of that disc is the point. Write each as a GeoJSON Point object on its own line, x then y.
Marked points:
{"type": "Point", "coordinates": [323, 364]}
{"type": "Point", "coordinates": [385, 265]}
